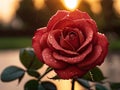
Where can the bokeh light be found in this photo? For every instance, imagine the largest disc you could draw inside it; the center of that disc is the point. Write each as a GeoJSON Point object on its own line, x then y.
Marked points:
{"type": "Point", "coordinates": [71, 4]}
{"type": "Point", "coordinates": [39, 4]}
{"type": "Point", "coordinates": [95, 6]}
{"type": "Point", "coordinates": [117, 6]}
{"type": "Point", "coordinates": [8, 9]}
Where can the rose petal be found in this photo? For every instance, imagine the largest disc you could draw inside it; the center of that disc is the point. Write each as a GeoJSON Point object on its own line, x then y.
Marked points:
{"type": "Point", "coordinates": [88, 39]}
{"type": "Point", "coordinates": [73, 39]}
{"type": "Point", "coordinates": [70, 72]}
{"type": "Point", "coordinates": [76, 30]}
{"type": "Point", "coordinates": [50, 60]}
{"type": "Point", "coordinates": [72, 44]}
{"type": "Point", "coordinates": [86, 30]}
{"type": "Point", "coordinates": [89, 62]}
{"type": "Point", "coordinates": [43, 41]}
{"type": "Point", "coordinates": [55, 18]}
{"type": "Point", "coordinates": [55, 44]}
{"type": "Point", "coordinates": [36, 42]}
{"type": "Point", "coordinates": [103, 42]}
{"type": "Point", "coordinates": [70, 41]}
{"type": "Point", "coordinates": [77, 14]}
{"type": "Point", "coordinates": [65, 44]}
{"type": "Point", "coordinates": [81, 36]}
{"type": "Point", "coordinates": [63, 23]}
{"type": "Point", "coordinates": [73, 60]}
{"type": "Point", "coordinates": [92, 24]}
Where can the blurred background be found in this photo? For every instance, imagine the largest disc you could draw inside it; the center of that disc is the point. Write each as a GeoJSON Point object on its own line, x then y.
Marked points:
{"type": "Point", "coordinates": [20, 18]}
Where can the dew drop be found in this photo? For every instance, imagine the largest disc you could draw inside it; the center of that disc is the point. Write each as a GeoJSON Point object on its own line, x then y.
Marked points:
{"type": "Point", "coordinates": [68, 15]}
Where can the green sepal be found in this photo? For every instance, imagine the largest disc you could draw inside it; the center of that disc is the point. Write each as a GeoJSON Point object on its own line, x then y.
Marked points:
{"type": "Point", "coordinates": [95, 75]}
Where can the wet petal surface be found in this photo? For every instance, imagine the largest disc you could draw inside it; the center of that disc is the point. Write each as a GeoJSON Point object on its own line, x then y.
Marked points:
{"type": "Point", "coordinates": [55, 18]}
{"type": "Point", "coordinates": [51, 61]}
{"type": "Point", "coordinates": [70, 72]}
{"type": "Point", "coordinates": [56, 45]}
{"type": "Point", "coordinates": [36, 42]}
{"type": "Point", "coordinates": [89, 62]}
{"type": "Point", "coordinates": [73, 60]}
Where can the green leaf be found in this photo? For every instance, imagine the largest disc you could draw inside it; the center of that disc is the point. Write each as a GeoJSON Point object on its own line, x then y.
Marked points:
{"type": "Point", "coordinates": [33, 73]}
{"type": "Point", "coordinates": [40, 87]}
{"type": "Point", "coordinates": [115, 86]}
{"type": "Point", "coordinates": [100, 87]}
{"type": "Point", "coordinates": [31, 85]}
{"type": "Point", "coordinates": [49, 69]}
{"type": "Point", "coordinates": [11, 73]}
{"type": "Point", "coordinates": [20, 78]}
{"type": "Point", "coordinates": [83, 82]}
{"type": "Point", "coordinates": [94, 75]}
{"type": "Point", "coordinates": [48, 85]}
{"type": "Point", "coordinates": [56, 77]}
{"type": "Point", "coordinates": [29, 59]}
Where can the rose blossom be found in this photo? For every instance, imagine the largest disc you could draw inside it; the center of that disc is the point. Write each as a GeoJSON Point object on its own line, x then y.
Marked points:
{"type": "Point", "coordinates": [70, 44]}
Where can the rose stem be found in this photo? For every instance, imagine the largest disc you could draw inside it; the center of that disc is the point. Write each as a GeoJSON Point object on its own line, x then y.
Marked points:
{"type": "Point", "coordinates": [45, 74]}
{"type": "Point", "coordinates": [73, 84]}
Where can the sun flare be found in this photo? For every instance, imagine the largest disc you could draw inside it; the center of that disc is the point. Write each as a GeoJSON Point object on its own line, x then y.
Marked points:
{"type": "Point", "coordinates": [71, 4]}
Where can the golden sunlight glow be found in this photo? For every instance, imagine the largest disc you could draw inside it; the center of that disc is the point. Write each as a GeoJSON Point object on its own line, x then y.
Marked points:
{"type": "Point", "coordinates": [39, 4]}
{"type": "Point", "coordinates": [71, 4]}
{"type": "Point", "coordinates": [117, 6]}
{"type": "Point", "coordinates": [95, 6]}
{"type": "Point", "coordinates": [8, 9]}
{"type": "Point", "coordinates": [66, 85]}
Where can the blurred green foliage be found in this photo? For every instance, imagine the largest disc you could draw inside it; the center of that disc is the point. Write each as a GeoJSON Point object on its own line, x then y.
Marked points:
{"type": "Point", "coordinates": [14, 42]}
{"type": "Point", "coordinates": [114, 45]}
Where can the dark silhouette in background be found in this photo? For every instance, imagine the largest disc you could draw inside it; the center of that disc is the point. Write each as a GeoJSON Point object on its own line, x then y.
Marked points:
{"type": "Point", "coordinates": [32, 19]}
{"type": "Point", "coordinates": [111, 21]}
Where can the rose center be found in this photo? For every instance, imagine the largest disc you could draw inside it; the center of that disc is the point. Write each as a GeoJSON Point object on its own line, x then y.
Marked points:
{"type": "Point", "coordinates": [72, 35]}
{"type": "Point", "coordinates": [70, 39]}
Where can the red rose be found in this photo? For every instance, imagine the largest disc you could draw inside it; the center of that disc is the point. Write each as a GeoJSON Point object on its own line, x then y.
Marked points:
{"type": "Point", "coordinates": [70, 44]}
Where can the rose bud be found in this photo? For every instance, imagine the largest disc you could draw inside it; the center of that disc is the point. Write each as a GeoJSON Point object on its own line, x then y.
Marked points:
{"type": "Point", "coordinates": [70, 44]}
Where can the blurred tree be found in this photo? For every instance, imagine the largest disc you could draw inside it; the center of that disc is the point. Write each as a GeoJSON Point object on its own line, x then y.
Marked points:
{"type": "Point", "coordinates": [111, 22]}
{"type": "Point", "coordinates": [54, 5]}
{"type": "Point", "coordinates": [84, 6]}
{"type": "Point", "coordinates": [27, 12]}
{"type": "Point", "coordinates": [31, 17]}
